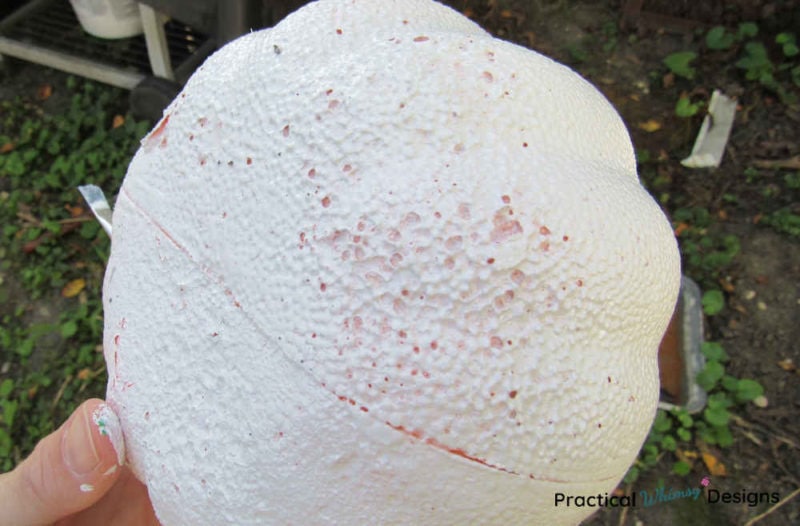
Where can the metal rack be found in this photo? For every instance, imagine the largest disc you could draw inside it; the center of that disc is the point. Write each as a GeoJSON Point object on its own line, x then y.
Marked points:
{"type": "Point", "coordinates": [47, 32]}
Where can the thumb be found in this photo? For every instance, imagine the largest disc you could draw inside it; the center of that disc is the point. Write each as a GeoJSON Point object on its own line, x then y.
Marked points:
{"type": "Point", "coordinates": [68, 471]}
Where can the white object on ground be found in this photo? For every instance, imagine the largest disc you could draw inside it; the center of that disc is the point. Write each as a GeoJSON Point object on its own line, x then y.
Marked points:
{"type": "Point", "coordinates": [709, 146]}
{"type": "Point", "coordinates": [375, 266]}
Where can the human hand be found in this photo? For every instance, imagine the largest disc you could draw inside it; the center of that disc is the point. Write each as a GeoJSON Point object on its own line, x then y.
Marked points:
{"type": "Point", "coordinates": [75, 476]}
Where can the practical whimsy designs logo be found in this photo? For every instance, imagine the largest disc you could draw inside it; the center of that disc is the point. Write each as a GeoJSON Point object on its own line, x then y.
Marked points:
{"type": "Point", "coordinates": [705, 482]}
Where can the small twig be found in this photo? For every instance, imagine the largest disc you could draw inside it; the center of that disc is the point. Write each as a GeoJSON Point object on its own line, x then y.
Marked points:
{"type": "Point", "coordinates": [624, 515]}
{"type": "Point", "coordinates": [60, 392]}
{"type": "Point", "coordinates": [792, 163]}
{"type": "Point", "coordinates": [775, 507]}
{"type": "Point", "coordinates": [79, 219]}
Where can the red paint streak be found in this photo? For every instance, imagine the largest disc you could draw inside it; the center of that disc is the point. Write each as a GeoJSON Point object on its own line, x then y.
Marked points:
{"type": "Point", "coordinates": [490, 261]}
{"type": "Point", "coordinates": [404, 292]}
{"type": "Point", "coordinates": [160, 128]}
{"type": "Point", "coordinates": [313, 334]}
{"type": "Point", "coordinates": [544, 246]}
{"type": "Point", "coordinates": [405, 22]}
{"type": "Point", "coordinates": [191, 136]}
{"type": "Point", "coordinates": [449, 263]}
{"type": "Point", "coordinates": [311, 173]}
{"type": "Point", "coordinates": [421, 39]}
{"type": "Point", "coordinates": [202, 121]}
{"type": "Point", "coordinates": [249, 160]}
{"type": "Point", "coordinates": [116, 339]}
{"type": "Point", "coordinates": [495, 342]}
{"type": "Point", "coordinates": [579, 283]}
{"type": "Point", "coordinates": [434, 345]}
{"type": "Point", "coordinates": [463, 454]}
{"type": "Point", "coordinates": [426, 374]}
{"type": "Point", "coordinates": [402, 334]}
{"type": "Point", "coordinates": [524, 144]}
{"type": "Point", "coordinates": [512, 394]}
{"type": "Point", "coordinates": [346, 168]}
{"type": "Point", "coordinates": [364, 409]}
{"type": "Point", "coordinates": [333, 104]}
{"type": "Point", "coordinates": [328, 91]}
{"type": "Point", "coordinates": [338, 31]}
{"type": "Point", "coordinates": [506, 199]}
{"type": "Point", "coordinates": [416, 349]}
{"type": "Point", "coordinates": [544, 230]}
{"type": "Point", "coordinates": [414, 372]}
{"type": "Point", "coordinates": [326, 201]}
{"type": "Point", "coordinates": [285, 131]}
{"type": "Point", "coordinates": [565, 238]}
{"type": "Point", "coordinates": [488, 77]}
{"type": "Point", "coordinates": [214, 334]}
{"type": "Point", "coordinates": [322, 287]}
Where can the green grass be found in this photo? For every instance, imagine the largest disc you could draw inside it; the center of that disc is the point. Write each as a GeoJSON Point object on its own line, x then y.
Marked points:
{"type": "Point", "coordinates": [52, 362]}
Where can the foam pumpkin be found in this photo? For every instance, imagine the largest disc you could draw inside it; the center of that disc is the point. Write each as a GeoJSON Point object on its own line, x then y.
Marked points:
{"type": "Point", "coordinates": [374, 266]}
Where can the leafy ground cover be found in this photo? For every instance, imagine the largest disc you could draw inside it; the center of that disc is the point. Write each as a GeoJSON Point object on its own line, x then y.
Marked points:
{"type": "Point", "coordinates": [738, 228]}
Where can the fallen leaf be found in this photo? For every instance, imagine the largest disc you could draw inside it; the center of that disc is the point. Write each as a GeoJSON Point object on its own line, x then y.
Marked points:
{"type": "Point", "coordinates": [7, 147]}
{"type": "Point", "coordinates": [686, 455]}
{"type": "Point", "coordinates": [650, 126]}
{"type": "Point", "coordinates": [74, 211]}
{"type": "Point", "coordinates": [73, 288]}
{"type": "Point", "coordinates": [761, 401]}
{"type": "Point", "coordinates": [715, 467]}
{"type": "Point", "coordinates": [668, 80]}
{"type": "Point", "coordinates": [680, 229]}
{"type": "Point", "coordinates": [118, 121]}
{"type": "Point", "coordinates": [44, 91]}
{"type": "Point", "coordinates": [757, 218]}
{"type": "Point", "coordinates": [726, 285]}
{"type": "Point", "coordinates": [787, 365]}
{"type": "Point", "coordinates": [506, 13]}
{"type": "Point", "coordinates": [723, 215]}
{"type": "Point", "coordinates": [32, 392]}
{"type": "Point", "coordinates": [84, 374]}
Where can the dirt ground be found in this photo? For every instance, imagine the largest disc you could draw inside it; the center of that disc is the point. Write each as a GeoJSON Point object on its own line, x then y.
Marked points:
{"type": "Point", "coordinates": [760, 325]}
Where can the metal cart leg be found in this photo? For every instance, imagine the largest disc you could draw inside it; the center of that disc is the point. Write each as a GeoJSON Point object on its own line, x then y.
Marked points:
{"type": "Point", "coordinates": [156, 39]}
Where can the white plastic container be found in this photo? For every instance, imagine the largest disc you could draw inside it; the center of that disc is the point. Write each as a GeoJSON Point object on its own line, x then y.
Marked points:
{"type": "Point", "coordinates": [109, 18]}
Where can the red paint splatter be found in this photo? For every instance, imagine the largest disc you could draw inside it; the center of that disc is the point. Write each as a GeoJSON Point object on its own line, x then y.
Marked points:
{"type": "Point", "coordinates": [338, 31]}
{"type": "Point", "coordinates": [495, 342]}
{"type": "Point", "coordinates": [313, 334]}
{"type": "Point", "coordinates": [249, 160]}
{"type": "Point", "coordinates": [490, 261]}
{"type": "Point", "coordinates": [202, 121]}
{"type": "Point", "coordinates": [322, 287]}
{"type": "Point", "coordinates": [565, 238]}
{"type": "Point", "coordinates": [512, 394]}
{"type": "Point", "coordinates": [312, 172]}
{"type": "Point", "coordinates": [328, 91]}
{"type": "Point", "coordinates": [346, 168]}
{"type": "Point", "coordinates": [116, 339]}
{"type": "Point", "coordinates": [364, 409]}
{"type": "Point", "coordinates": [160, 128]}
{"type": "Point", "coordinates": [434, 345]}
{"type": "Point", "coordinates": [503, 228]}
{"type": "Point", "coordinates": [402, 334]}
{"type": "Point", "coordinates": [285, 131]}
{"type": "Point", "coordinates": [421, 39]}
{"type": "Point", "coordinates": [326, 201]}
{"type": "Point", "coordinates": [416, 349]}
{"type": "Point", "coordinates": [333, 104]}
{"type": "Point", "coordinates": [544, 246]}
{"type": "Point", "coordinates": [488, 77]}
{"type": "Point", "coordinates": [544, 230]}
{"type": "Point", "coordinates": [579, 283]}
{"type": "Point", "coordinates": [524, 144]}
{"type": "Point", "coordinates": [506, 199]}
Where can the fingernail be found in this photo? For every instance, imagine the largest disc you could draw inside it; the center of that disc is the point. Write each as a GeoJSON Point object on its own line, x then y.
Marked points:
{"type": "Point", "coordinates": [77, 446]}
{"type": "Point", "coordinates": [108, 424]}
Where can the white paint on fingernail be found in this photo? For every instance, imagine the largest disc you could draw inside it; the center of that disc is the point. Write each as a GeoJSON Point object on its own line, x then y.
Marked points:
{"type": "Point", "coordinates": [110, 470]}
{"type": "Point", "coordinates": [109, 426]}
{"type": "Point", "coordinates": [86, 488]}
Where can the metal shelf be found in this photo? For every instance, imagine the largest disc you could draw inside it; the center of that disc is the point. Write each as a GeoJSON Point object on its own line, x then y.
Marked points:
{"type": "Point", "coordinates": [47, 32]}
